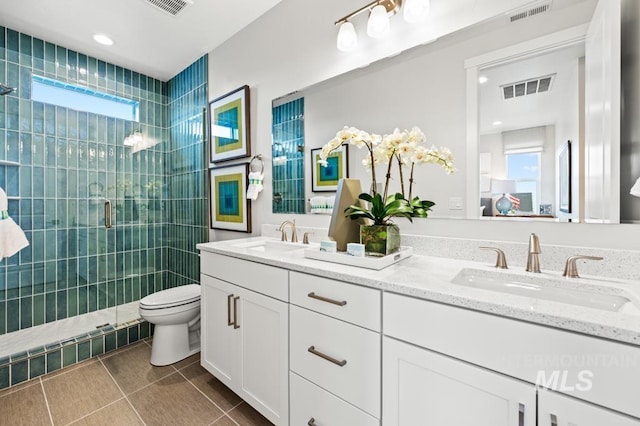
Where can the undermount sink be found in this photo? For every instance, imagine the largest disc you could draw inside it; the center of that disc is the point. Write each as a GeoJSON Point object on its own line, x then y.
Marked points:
{"type": "Point", "coordinates": [546, 288]}
{"type": "Point", "coordinates": [271, 246]}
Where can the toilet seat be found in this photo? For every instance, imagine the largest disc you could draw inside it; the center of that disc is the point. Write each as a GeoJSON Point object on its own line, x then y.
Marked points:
{"type": "Point", "coordinates": [170, 298]}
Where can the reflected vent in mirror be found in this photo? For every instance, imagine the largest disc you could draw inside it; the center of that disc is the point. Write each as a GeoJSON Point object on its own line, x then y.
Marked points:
{"type": "Point", "coordinates": [527, 87]}
{"type": "Point", "coordinates": [172, 7]}
{"type": "Point", "coordinates": [530, 12]}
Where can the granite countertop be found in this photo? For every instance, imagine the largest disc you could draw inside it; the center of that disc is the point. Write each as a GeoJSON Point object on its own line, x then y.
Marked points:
{"type": "Point", "coordinates": [430, 278]}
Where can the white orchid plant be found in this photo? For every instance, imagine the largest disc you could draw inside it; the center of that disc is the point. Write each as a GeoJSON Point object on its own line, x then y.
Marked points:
{"type": "Point", "coordinates": [402, 147]}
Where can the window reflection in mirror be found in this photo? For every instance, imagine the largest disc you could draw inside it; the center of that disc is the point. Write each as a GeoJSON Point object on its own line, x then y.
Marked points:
{"type": "Point", "coordinates": [287, 153]}
{"type": "Point", "coordinates": [528, 109]}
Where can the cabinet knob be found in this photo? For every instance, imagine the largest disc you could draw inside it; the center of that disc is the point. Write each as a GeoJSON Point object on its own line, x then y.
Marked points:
{"type": "Point", "coordinates": [311, 422]}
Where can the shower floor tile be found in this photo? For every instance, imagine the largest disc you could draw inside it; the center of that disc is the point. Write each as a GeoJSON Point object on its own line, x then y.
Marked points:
{"type": "Point", "coordinates": [122, 388]}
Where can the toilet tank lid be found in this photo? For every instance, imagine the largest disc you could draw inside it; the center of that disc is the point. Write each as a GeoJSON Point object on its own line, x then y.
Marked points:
{"type": "Point", "coordinates": [184, 293]}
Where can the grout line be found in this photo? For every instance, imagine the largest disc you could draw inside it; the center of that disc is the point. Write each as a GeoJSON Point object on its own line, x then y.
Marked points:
{"type": "Point", "coordinates": [46, 400]}
{"type": "Point", "coordinates": [203, 394]}
{"type": "Point", "coordinates": [95, 411]}
{"type": "Point", "coordinates": [123, 393]}
{"type": "Point", "coordinates": [62, 371]}
{"type": "Point", "coordinates": [119, 350]}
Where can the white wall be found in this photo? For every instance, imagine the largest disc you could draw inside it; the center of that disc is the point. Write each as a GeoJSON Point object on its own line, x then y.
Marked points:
{"type": "Point", "coordinates": [292, 47]}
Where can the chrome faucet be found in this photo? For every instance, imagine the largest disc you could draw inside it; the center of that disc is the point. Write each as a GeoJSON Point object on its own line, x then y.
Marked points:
{"type": "Point", "coordinates": [533, 262]}
{"type": "Point", "coordinates": [294, 234]}
{"type": "Point", "coordinates": [571, 269]}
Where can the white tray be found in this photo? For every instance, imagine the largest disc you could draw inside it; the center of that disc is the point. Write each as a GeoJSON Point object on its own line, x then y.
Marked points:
{"type": "Point", "coordinates": [368, 262]}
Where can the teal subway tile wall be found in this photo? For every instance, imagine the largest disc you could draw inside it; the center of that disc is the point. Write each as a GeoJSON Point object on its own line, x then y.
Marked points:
{"type": "Point", "coordinates": [288, 157]}
{"type": "Point", "coordinates": [186, 165]}
{"type": "Point", "coordinates": [59, 166]}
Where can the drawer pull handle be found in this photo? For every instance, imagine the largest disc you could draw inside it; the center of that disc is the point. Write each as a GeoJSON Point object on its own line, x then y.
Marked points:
{"type": "Point", "coordinates": [229, 297]}
{"type": "Point", "coordinates": [325, 299]}
{"type": "Point", "coordinates": [235, 312]}
{"type": "Point", "coordinates": [311, 422]}
{"type": "Point", "coordinates": [521, 414]}
{"type": "Point", "coordinates": [554, 420]}
{"type": "Point", "coordinates": [313, 350]}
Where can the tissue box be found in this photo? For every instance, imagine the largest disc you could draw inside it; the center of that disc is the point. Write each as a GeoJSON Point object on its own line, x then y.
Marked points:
{"type": "Point", "coordinates": [328, 246]}
{"type": "Point", "coordinates": [355, 249]}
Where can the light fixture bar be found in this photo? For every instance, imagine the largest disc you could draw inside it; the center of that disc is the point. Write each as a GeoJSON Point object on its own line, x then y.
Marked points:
{"type": "Point", "coordinates": [392, 6]}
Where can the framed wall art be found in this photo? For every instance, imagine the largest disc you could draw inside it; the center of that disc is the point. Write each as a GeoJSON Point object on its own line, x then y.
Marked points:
{"type": "Point", "coordinates": [229, 208]}
{"type": "Point", "coordinates": [229, 126]}
{"type": "Point", "coordinates": [325, 179]}
{"type": "Point", "coordinates": [564, 169]}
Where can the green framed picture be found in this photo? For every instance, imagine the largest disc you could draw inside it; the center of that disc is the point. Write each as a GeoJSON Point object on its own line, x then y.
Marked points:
{"type": "Point", "coordinates": [229, 207]}
{"type": "Point", "coordinates": [325, 179]}
{"type": "Point", "coordinates": [229, 129]}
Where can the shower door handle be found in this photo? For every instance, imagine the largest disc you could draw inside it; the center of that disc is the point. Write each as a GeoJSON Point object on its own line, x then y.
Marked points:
{"type": "Point", "coordinates": [107, 214]}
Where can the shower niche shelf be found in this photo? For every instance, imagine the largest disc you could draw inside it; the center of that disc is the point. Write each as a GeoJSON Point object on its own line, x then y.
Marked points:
{"type": "Point", "coordinates": [9, 163]}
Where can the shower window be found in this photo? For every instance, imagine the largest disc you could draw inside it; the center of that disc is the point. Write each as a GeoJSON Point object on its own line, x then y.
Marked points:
{"type": "Point", "coordinates": [79, 98]}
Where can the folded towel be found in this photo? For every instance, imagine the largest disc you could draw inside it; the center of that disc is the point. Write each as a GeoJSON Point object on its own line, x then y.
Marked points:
{"type": "Point", "coordinates": [12, 238]}
{"type": "Point", "coordinates": [255, 185]}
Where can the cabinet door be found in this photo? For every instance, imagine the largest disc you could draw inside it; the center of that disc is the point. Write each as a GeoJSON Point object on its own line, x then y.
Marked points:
{"type": "Point", "coordinates": [424, 388]}
{"type": "Point", "coordinates": [219, 350]}
{"type": "Point", "coordinates": [555, 409]}
{"type": "Point", "coordinates": [264, 363]}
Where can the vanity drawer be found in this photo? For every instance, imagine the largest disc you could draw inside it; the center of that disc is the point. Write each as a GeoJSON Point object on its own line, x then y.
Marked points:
{"type": "Point", "coordinates": [264, 279]}
{"type": "Point", "coordinates": [348, 302]}
{"type": "Point", "coordinates": [309, 401]}
{"type": "Point", "coordinates": [357, 380]}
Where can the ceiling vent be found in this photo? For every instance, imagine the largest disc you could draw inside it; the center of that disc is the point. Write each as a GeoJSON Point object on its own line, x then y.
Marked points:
{"type": "Point", "coordinates": [527, 87]}
{"type": "Point", "coordinates": [172, 7]}
{"type": "Point", "coordinates": [531, 12]}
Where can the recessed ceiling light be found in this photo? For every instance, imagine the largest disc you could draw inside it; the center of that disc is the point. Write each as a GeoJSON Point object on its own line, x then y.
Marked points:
{"type": "Point", "coordinates": [497, 123]}
{"type": "Point", "coordinates": [482, 79]}
{"type": "Point", "coordinates": [103, 39]}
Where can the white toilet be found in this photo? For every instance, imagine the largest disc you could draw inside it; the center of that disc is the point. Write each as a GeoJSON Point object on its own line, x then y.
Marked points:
{"type": "Point", "coordinates": [175, 312]}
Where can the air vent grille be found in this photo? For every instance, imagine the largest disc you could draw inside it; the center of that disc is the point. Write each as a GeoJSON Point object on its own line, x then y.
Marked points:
{"type": "Point", "coordinates": [527, 87]}
{"type": "Point", "coordinates": [530, 12]}
{"type": "Point", "coordinates": [172, 7]}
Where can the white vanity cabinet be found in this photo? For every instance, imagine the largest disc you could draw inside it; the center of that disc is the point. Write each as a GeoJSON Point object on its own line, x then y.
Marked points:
{"type": "Point", "coordinates": [335, 350]}
{"type": "Point", "coordinates": [422, 387]}
{"type": "Point", "coordinates": [244, 331]}
{"type": "Point", "coordinates": [447, 365]}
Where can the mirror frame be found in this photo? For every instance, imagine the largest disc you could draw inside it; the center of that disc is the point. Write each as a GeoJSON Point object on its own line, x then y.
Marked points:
{"type": "Point", "coordinates": [547, 43]}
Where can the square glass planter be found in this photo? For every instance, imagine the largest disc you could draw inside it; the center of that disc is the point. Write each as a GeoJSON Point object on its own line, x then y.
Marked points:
{"type": "Point", "coordinates": [380, 240]}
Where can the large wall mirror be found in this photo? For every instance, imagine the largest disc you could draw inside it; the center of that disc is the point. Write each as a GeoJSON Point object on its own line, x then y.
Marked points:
{"type": "Point", "coordinates": [427, 86]}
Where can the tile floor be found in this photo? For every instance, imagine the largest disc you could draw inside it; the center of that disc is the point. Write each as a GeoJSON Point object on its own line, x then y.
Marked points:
{"type": "Point", "coordinates": [122, 388]}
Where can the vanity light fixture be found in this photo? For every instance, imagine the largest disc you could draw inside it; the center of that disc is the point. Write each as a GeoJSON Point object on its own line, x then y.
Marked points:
{"type": "Point", "coordinates": [347, 37]}
{"type": "Point", "coordinates": [103, 39]}
{"type": "Point", "coordinates": [378, 24]}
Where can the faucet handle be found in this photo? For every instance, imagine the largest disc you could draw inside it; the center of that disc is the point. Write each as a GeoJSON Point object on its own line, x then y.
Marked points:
{"type": "Point", "coordinates": [305, 237]}
{"type": "Point", "coordinates": [284, 234]}
{"type": "Point", "coordinates": [501, 260]}
{"type": "Point", "coordinates": [571, 268]}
